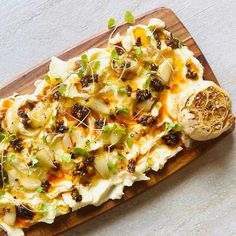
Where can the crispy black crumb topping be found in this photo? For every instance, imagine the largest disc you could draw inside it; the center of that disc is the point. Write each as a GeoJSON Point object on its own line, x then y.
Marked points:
{"type": "Point", "coordinates": [61, 128]}
{"type": "Point", "coordinates": [45, 186]}
{"type": "Point", "coordinates": [79, 111]}
{"type": "Point", "coordinates": [171, 139]}
{"type": "Point", "coordinates": [153, 67]}
{"type": "Point", "coordinates": [56, 95]}
{"type": "Point", "coordinates": [142, 95]}
{"type": "Point", "coordinates": [147, 120]}
{"type": "Point", "coordinates": [17, 144]}
{"type": "Point", "coordinates": [172, 42]}
{"type": "Point", "coordinates": [76, 195]}
{"type": "Point", "coordinates": [24, 212]}
{"type": "Point", "coordinates": [157, 38]}
{"type": "Point", "coordinates": [25, 118]}
{"type": "Point", "coordinates": [131, 166]}
{"type": "Point", "coordinates": [138, 42]}
{"type": "Point", "coordinates": [99, 124]}
{"type": "Point", "coordinates": [156, 84]}
{"type": "Point", "coordinates": [86, 80]}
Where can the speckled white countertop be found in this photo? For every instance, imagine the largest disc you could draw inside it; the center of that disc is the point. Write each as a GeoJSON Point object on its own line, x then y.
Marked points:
{"type": "Point", "coordinates": [201, 198]}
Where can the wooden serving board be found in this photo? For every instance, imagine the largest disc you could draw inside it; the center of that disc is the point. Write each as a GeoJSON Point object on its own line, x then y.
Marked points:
{"type": "Point", "coordinates": [24, 84]}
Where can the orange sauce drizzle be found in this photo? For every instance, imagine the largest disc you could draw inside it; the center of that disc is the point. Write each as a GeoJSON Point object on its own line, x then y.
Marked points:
{"type": "Point", "coordinates": [140, 32]}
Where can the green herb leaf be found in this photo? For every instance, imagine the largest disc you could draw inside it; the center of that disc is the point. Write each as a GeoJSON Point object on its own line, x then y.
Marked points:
{"type": "Point", "coordinates": [88, 143]}
{"type": "Point", "coordinates": [44, 138]}
{"type": "Point", "coordinates": [40, 189]}
{"type": "Point", "coordinates": [84, 61]}
{"type": "Point", "coordinates": [122, 90]}
{"type": "Point", "coordinates": [180, 44]}
{"type": "Point", "coordinates": [34, 161]}
{"type": "Point", "coordinates": [129, 18]}
{"type": "Point", "coordinates": [62, 89]}
{"type": "Point", "coordinates": [47, 78]}
{"type": "Point", "coordinates": [158, 105]}
{"type": "Point", "coordinates": [159, 54]}
{"type": "Point", "coordinates": [114, 55]}
{"type": "Point", "coordinates": [96, 65]}
{"type": "Point", "coordinates": [6, 137]}
{"type": "Point", "coordinates": [112, 166]}
{"type": "Point", "coordinates": [70, 129]}
{"type": "Point", "coordinates": [12, 157]}
{"type": "Point", "coordinates": [43, 208]}
{"type": "Point", "coordinates": [21, 187]}
{"type": "Point", "coordinates": [2, 136]}
{"type": "Point", "coordinates": [151, 27]}
{"type": "Point", "coordinates": [129, 142]}
{"type": "Point", "coordinates": [123, 110]}
{"type": "Point", "coordinates": [120, 156]}
{"type": "Point", "coordinates": [138, 51]}
{"type": "Point", "coordinates": [35, 148]}
{"type": "Point", "coordinates": [147, 83]}
{"type": "Point", "coordinates": [149, 38]}
{"type": "Point", "coordinates": [111, 22]}
{"type": "Point", "coordinates": [106, 128]}
{"type": "Point", "coordinates": [82, 152]}
{"type": "Point", "coordinates": [80, 72]}
{"type": "Point", "coordinates": [172, 126]}
{"type": "Point", "coordinates": [108, 83]}
{"type": "Point", "coordinates": [115, 128]}
{"type": "Point", "coordinates": [146, 64]}
{"type": "Point", "coordinates": [66, 157]}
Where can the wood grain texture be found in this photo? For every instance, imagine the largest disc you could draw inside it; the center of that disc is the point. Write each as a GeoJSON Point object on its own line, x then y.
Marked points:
{"type": "Point", "coordinates": [24, 84]}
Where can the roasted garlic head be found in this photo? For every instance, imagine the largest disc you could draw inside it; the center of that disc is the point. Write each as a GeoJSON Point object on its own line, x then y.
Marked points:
{"type": "Point", "coordinates": [204, 111]}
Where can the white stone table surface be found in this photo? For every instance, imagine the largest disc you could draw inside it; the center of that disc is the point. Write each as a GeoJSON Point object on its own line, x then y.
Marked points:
{"type": "Point", "coordinates": [201, 198]}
